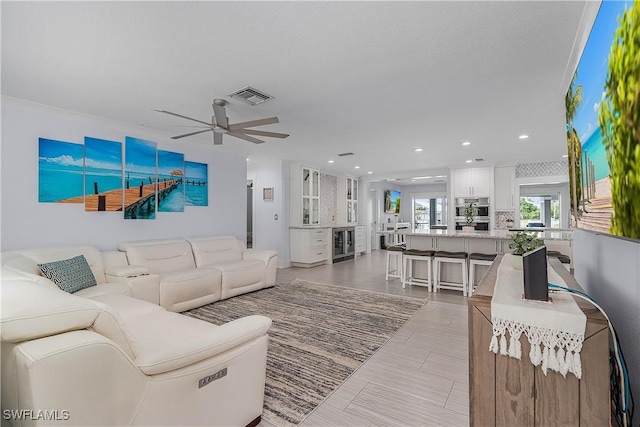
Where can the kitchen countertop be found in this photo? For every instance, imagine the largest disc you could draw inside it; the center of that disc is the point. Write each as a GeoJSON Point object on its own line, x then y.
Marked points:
{"type": "Point", "coordinates": [495, 234]}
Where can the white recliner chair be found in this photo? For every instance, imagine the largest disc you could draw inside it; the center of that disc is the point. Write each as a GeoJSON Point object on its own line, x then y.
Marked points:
{"type": "Point", "coordinates": [116, 360]}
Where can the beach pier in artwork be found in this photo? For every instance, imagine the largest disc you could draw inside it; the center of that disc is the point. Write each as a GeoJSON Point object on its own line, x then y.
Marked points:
{"type": "Point", "coordinates": [132, 199]}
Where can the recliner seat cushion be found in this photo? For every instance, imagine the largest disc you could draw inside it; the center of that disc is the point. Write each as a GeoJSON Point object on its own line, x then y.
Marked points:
{"type": "Point", "coordinates": [189, 284]}
{"type": "Point", "coordinates": [237, 274]}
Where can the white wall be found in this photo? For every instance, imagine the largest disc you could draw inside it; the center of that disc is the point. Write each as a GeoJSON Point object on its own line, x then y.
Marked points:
{"type": "Point", "coordinates": [608, 268]}
{"type": "Point", "coordinates": [25, 223]}
{"type": "Point", "coordinates": [269, 232]}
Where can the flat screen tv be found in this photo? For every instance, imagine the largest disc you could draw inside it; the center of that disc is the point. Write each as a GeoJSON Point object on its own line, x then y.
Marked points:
{"type": "Point", "coordinates": [392, 202]}
{"type": "Point", "coordinates": [602, 124]}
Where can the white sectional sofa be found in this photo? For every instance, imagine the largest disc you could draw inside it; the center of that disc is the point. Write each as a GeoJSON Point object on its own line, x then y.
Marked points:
{"type": "Point", "coordinates": [110, 354]}
{"type": "Point", "coordinates": [197, 271]}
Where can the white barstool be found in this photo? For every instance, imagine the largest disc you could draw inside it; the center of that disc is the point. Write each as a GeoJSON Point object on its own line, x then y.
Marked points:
{"type": "Point", "coordinates": [450, 257]}
{"type": "Point", "coordinates": [394, 252]}
{"type": "Point", "coordinates": [477, 259]}
{"type": "Point", "coordinates": [408, 257]}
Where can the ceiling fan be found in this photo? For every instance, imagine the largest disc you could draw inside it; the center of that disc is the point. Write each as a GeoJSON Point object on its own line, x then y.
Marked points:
{"type": "Point", "coordinates": [220, 125]}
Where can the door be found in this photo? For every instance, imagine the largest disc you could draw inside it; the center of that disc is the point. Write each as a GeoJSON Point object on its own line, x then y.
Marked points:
{"type": "Point", "coordinates": [374, 214]}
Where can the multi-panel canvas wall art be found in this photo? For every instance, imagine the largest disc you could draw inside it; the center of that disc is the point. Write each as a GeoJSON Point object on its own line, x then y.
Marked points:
{"type": "Point", "coordinates": [140, 179]}
{"type": "Point", "coordinates": [103, 175]}
{"type": "Point", "coordinates": [602, 125]}
{"type": "Point", "coordinates": [170, 185]}
{"type": "Point", "coordinates": [60, 171]}
{"type": "Point", "coordinates": [137, 182]}
{"type": "Point", "coordinates": [196, 180]}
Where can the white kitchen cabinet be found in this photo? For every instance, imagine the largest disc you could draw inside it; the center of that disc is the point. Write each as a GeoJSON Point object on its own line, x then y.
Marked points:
{"type": "Point", "coordinates": [360, 239]}
{"type": "Point", "coordinates": [347, 200]}
{"type": "Point", "coordinates": [305, 196]}
{"type": "Point", "coordinates": [505, 188]}
{"type": "Point", "coordinates": [310, 247]}
{"type": "Point", "coordinates": [352, 200]}
{"type": "Point", "coordinates": [472, 182]}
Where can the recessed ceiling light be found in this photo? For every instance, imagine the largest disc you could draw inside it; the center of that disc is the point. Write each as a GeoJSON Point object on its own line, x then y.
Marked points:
{"type": "Point", "coordinates": [247, 159]}
{"type": "Point", "coordinates": [331, 161]}
{"type": "Point", "coordinates": [357, 167]}
{"type": "Point", "coordinates": [413, 180]}
{"type": "Point", "coordinates": [523, 136]}
{"type": "Point", "coordinates": [418, 149]}
{"type": "Point", "coordinates": [369, 172]}
{"type": "Point", "coordinates": [469, 161]}
{"type": "Point", "coordinates": [565, 155]}
{"type": "Point", "coordinates": [466, 143]}
{"type": "Point", "coordinates": [421, 177]}
{"type": "Point", "coordinates": [441, 176]}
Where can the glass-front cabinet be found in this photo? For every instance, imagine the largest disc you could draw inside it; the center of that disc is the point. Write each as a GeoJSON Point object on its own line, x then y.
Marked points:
{"type": "Point", "coordinates": [352, 200]}
{"type": "Point", "coordinates": [310, 196]}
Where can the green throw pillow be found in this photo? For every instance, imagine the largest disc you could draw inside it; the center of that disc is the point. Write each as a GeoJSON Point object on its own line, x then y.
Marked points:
{"type": "Point", "coordinates": [71, 275]}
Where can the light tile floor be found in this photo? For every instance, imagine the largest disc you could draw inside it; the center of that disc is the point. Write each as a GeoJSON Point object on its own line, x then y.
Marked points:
{"type": "Point", "coordinates": [419, 377]}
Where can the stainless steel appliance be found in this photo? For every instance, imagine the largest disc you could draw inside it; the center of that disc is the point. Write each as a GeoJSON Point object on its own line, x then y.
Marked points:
{"type": "Point", "coordinates": [344, 243]}
{"type": "Point", "coordinates": [481, 219]}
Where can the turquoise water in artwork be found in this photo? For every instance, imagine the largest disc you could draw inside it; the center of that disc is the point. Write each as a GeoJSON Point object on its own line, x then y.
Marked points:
{"type": "Point", "coordinates": [57, 183]}
{"type": "Point", "coordinates": [597, 153]}
{"type": "Point", "coordinates": [197, 195]}
{"type": "Point", "coordinates": [174, 202]}
{"type": "Point", "coordinates": [106, 179]}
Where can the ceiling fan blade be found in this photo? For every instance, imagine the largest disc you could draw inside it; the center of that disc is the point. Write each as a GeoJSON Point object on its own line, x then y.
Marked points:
{"type": "Point", "coordinates": [217, 138]}
{"type": "Point", "coordinates": [221, 116]}
{"type": "Point", "coordinates": [181, 116]}
{"type": "Point", "coordinates": [192, 133]}
{"type": "Point", "coordinates": [252, 123]}
{"type": "Point", "coordinates": [246, 137]}
{"type": "Point", "coordinates": [262, 133]}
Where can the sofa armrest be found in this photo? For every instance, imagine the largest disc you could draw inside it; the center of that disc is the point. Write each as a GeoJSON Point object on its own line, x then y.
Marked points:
{"type": "Point", "coordinates": [125, 271]}
{"type": "Point", "coordinates": [264, 255]}
{"type": "Point", "coordinates": [166, 341]}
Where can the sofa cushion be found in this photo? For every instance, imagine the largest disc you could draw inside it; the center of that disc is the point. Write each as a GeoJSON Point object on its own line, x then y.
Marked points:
{"type": "Point", "coordinates": [159, 256]}
{"type": "Point", "coordinates": [190, 288]}
{"type": "Point", "coordinates": [31, 310]}
{"type": "Point", "coordinates": [104, 289]}
{"type": "Point", "coordinates": [71, 275]}
{"type": "Point", "coordinates": [242, 273]}
{"type": "Point", "coordinates": [215, 250]}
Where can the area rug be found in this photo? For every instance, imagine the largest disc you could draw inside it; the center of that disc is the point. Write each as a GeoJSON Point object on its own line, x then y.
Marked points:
{"type": "Point", "coordinates": [320, 335]}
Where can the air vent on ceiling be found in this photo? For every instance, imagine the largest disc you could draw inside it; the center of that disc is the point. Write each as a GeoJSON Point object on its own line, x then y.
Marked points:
{"type": "Point", "coordinates": [250, 95]}
{"type": "Point", "coordinates": [345, 154]}
{"type": "Point", "coordinates": [479, 160]}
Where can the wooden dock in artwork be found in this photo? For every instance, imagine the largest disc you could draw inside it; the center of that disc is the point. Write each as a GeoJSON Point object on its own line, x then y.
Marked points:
{"type": "Point", "coordinates": [134, 197]}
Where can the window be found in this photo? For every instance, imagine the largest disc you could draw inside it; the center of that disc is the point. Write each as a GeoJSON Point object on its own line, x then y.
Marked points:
{"type": "Point", "coordinates": [428, 212]}
{"type": "Point", "coordinates": [540, 211]}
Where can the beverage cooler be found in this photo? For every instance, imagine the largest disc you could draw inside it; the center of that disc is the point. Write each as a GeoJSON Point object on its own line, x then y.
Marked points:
{"type": "Point", "coordinates": [344, 243]}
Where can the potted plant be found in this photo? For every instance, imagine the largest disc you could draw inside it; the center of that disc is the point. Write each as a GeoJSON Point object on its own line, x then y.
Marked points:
{"type": "Point", "coordinates": [522, 242]}
{"type": "Point", "coordinates": [469, 212]}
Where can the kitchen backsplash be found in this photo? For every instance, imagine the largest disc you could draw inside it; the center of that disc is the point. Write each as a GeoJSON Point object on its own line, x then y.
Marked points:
{"type": "Point", "coordinates": [504, 220]}
{"type": "Point", "coordinates": [328, 198]}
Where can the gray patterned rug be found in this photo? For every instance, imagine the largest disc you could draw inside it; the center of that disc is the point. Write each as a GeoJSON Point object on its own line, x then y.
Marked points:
{"type": "Point", "coordinates": [320, 335]}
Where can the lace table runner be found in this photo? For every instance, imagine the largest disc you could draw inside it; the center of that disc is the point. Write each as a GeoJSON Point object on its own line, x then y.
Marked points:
{"type": "Point", "coordinates": [554, 329]}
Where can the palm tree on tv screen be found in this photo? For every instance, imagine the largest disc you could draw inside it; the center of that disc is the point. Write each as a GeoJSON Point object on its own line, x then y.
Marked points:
{"type": "Point", "coordinates": [619, 117]}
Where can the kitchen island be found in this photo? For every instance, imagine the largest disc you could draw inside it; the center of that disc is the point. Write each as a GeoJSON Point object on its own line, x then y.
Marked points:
{"type": "Point", "coordinates": [485, 242]}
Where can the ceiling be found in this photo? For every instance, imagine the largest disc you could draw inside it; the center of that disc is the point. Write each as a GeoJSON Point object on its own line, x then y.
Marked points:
{"type": "Point", "coordinates": [378, 79]}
